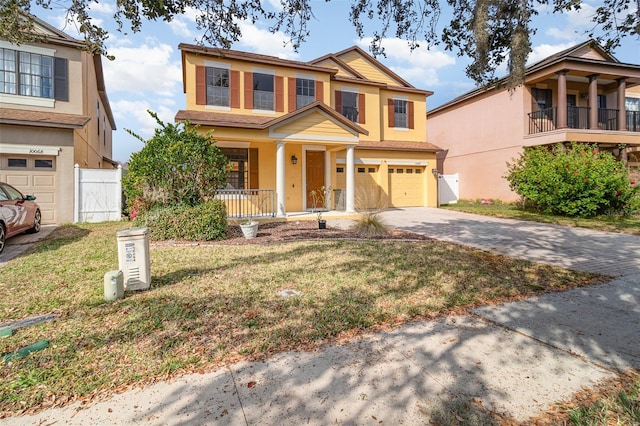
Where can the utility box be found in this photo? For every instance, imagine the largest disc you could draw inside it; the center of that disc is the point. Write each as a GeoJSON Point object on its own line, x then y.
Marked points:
{"type": "Point", "coordinates": [113, 286]}
{"type": "Point", "coordinates": [133, 258]}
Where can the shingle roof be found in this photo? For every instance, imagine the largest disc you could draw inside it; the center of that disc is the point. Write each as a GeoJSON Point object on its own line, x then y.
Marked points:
{"type": "Point", "coordinates": [42, 119]}
{"type": "Point", "coordinates": [210, 118]}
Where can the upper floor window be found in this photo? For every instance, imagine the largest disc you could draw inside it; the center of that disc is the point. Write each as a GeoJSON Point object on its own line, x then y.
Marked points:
{"type": "Point", "coordinates": [632, 104]}
{"type": "Point", "coordinates": [542, 98]}
{"type": "Point", "coordinates": [32, 74]}
{"type": "Point", "coordinates": [400, 116]}
{"type": "Point", "coordinates": [217, 86]}
{"type": "Point", "coordinates": [305, 92]}
{"type": "Point", "coordinates": [263, 87]}
{"type": "Point", "coordinates": [350, 106]}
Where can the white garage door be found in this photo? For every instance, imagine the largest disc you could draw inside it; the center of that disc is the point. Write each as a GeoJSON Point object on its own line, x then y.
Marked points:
{"type": "Point", "coordinates": [406, 186]}
{"type": "Point", "coordinates": [32, 175]}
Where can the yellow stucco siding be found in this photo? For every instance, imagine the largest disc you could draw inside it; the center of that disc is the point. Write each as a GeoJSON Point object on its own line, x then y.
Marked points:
{"type": "Point", "coordinates": [364, 67]}
{"type": "Point", "coordinates": [315, 124]}
{"type": "Point", "coordinates": [191, 61]}
{"type": "Point", "coordinates": [419, 131]}
{"type": "Point", "coordinates": [328, 63]}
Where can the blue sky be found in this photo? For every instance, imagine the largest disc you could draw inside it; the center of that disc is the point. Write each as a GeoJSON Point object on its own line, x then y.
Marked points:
{"type": "Point", "coordinates": [146, 73]}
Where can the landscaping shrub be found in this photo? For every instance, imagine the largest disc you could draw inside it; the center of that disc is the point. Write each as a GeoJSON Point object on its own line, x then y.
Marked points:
{"type": "Point", "coordinates": [371, 224]}
{"type": "Point", "coordinates": [578, 180]}
{"type": "Point", "coordinates": [176, 166]}
{"type": "Point", "coordinates": [203, 222]}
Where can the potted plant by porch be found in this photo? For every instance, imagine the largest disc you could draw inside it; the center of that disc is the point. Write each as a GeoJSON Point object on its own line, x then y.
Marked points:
{"type": "Point", "coordinates": [319, 198]}
{"type": "Point", "coordinates": [255, 204]}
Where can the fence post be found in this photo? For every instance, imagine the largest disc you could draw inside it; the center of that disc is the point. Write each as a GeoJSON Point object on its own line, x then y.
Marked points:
{"type": "Point", "coordinates": [119, 192]}
{"type": "Point", "coordinates": [76, 196]}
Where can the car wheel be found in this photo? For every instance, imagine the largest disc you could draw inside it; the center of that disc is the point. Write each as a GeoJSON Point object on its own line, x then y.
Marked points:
{"type": "Point", "coordinates": [3, 237]}
{"type": "Point", "coordinates": [37, 222]}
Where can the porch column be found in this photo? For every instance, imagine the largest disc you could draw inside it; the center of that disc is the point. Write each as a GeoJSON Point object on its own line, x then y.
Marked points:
{"type": "Point", "coordinates": [593, 101]}
{"type": "Point", "coordinates": [562, 99]}
{"type": "Point", "coordinates": [280, 186]}
{"type": "Point", "coordinates": [351, 180]}
{"type": "Point", "coordinates": [622, 112]}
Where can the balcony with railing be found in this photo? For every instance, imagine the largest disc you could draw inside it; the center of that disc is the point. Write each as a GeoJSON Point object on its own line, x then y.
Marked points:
{"type": "Point", "coordinates": [546, 120]}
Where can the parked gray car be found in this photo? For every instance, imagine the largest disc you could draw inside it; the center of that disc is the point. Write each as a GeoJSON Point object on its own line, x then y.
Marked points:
{"type": "Point", "coordinates": [18, 213]}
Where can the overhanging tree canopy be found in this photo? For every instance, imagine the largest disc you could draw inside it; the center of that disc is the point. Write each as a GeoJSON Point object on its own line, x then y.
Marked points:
{"type": "Point", "coordinates": [488, 31]}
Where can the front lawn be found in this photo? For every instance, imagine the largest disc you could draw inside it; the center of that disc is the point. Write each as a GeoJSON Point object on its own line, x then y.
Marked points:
{"type": "Point", "coordinates": [213, 305]}
{"type": "Point", "coordinates": [611, 223]}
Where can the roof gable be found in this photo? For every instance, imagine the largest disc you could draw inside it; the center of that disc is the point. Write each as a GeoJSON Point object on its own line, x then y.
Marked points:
{"type": "Point", "coordinates": [370, 68]}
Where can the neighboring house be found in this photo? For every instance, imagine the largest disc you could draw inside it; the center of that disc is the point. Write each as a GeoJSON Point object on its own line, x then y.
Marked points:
{"type": "Point", "coordinates": [54, 113]}
{"type": "Point", "coordinates": [582, 94]}
{"type": "Point", "coordinates": [343, 121]}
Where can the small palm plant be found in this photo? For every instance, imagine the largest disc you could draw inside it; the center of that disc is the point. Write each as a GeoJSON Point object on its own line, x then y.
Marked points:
{"type": "Point", "coordinates": [320, 198]}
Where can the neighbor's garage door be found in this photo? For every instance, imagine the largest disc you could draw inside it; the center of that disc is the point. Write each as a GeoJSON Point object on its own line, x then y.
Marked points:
{"type": "Point", "coordinates": [406, 186]}
{"type": "Point", "coordinates": [32, 175]}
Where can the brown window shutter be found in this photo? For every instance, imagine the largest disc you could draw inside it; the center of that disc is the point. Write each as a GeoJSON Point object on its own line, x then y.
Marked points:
{"type": "Point", "coordinates": [234, 90]}
{"type": "Point", "coordinates": [319, 91]}
{"type": "Point", "coordinates": [291, 94]}
{"type": "Point", "coordinates": [410, 112]}
{"type": "Point", "coordinates": [279, 93]}
{"type": "Point", "coordinates": [339, 101]}
{"type": "Point", "coordinates": [391, 118]}
{"type": "Point", "coordinates": [361, 111]}
{"type": "Point", "coordinates": [60, 79]}
{"type": "Point", "coordinates": [248, 90]}
{"type": "Point", "coordinates": [201, 85]}
{"type": "Point", "coordinates": [253, 169]}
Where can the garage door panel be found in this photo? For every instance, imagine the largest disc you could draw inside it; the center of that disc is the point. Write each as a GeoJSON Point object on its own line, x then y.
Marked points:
{"type": "Point", "coordinates": [44, 181]}
{"type": "Point", "coordinates": [18, 180]}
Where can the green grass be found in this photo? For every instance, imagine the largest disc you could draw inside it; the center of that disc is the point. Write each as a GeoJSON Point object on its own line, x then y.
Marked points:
{"type": "Point", "coordinates": [213, 305]}
{"type": "Point", "coordinates": [611, 223]}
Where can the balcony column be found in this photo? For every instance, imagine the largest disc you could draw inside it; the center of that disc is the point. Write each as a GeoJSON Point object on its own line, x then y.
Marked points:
{"type": "Point", "coordinates": [280, 186]}
{"type": "Point", "coordinates": [562, 99]}
{"type": "Point", "coordinates": [351, 180]}
{"type": "Point", "coordinates": [622, 112]}
{"type": "Point", "coordinates": [593, 101]}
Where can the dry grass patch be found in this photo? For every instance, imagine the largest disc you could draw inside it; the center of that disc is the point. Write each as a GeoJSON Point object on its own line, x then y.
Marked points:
{"type": "Point", "coordinates": [214, 305]}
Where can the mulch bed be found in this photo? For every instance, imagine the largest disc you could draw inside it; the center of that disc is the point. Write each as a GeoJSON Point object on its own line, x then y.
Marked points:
{"type": "Point", "coordinates": [277, 232]}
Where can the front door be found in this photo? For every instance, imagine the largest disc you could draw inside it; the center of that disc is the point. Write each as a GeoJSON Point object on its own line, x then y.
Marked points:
{"type": "Point", "coordinates": [315, 174]}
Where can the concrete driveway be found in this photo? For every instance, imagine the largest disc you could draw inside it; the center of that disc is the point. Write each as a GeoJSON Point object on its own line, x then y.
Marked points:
{"type": "Point", "coordinates": [21, 243]}
{"type": "Point", "coordinates": [575, 248]}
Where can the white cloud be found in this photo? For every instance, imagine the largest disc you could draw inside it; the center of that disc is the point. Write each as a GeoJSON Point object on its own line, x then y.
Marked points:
{"type": "Point", "coordinates": [138, 119]}
{"type": "Point", "coordinates": [542, 51]}
{"type": "Point", "coordinates": [419, 67]}
{"type": "Point", "coordinates": [264, 42]}
{"type": "Point", "coordinates": [180, 27]}
{"type": "Point", "coordinates": [103, 7]}
{"type": "Point", "coordinates": [146, 69]}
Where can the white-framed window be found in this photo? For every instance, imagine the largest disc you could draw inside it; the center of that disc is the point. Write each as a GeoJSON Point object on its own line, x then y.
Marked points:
{"type": "Point", "coordinates": [263, 89]}
{"type": "Point", "coordinates": [350, 105]}
{"type": "Point", "coordinates": [26, 73]}
{"type": "Point", "coordinates": [400, 113]}
{"type": "Point", "coordinates": [305, 92]}
{"type": "Point", "coordinates": [217, 81]}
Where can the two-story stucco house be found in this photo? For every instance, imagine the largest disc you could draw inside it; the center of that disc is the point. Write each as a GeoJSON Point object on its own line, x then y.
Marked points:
{"type": "Point", "coordinates": [343, 121]}
{"type": "Point", "coordinates": [582, 94]}
{"type": "Point", "coordinates": [54, 113]}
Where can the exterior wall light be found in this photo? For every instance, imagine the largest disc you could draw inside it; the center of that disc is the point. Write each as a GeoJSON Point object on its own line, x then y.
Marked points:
{"type": "Point", "coordinates": [294, 160]}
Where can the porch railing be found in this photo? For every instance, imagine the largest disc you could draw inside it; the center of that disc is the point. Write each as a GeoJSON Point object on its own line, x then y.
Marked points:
{"type": "Point", "coordinates": [633, 121]}
{"type": "Point", "coordinates": [546, 120]}
{"type": "Point", "coordinates": [577, 117]}
{"type": "Point", "coordinates": [248, 203]}
{"type": "Point", "coordinates": [543, 120]}
{"type": "Point", "coordinates": [607, 119]}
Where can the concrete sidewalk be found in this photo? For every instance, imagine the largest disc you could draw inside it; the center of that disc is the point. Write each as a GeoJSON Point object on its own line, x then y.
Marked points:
{"type": "Point", "coordinates": [516, 359]}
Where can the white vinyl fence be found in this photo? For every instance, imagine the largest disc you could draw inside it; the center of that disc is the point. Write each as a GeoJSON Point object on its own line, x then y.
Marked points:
{"type": "Point", "coordinates": [448, 189]}
{"type": "Point", "coordinates": [98, 196]}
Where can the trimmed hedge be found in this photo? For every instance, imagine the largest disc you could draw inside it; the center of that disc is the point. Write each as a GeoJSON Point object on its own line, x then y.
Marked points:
{"type": "Point", "coordinates": [203, 222]}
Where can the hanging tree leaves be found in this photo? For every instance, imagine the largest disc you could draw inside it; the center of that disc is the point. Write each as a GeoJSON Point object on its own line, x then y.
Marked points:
{"type": "Point", "coordinates": [488, 31]}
